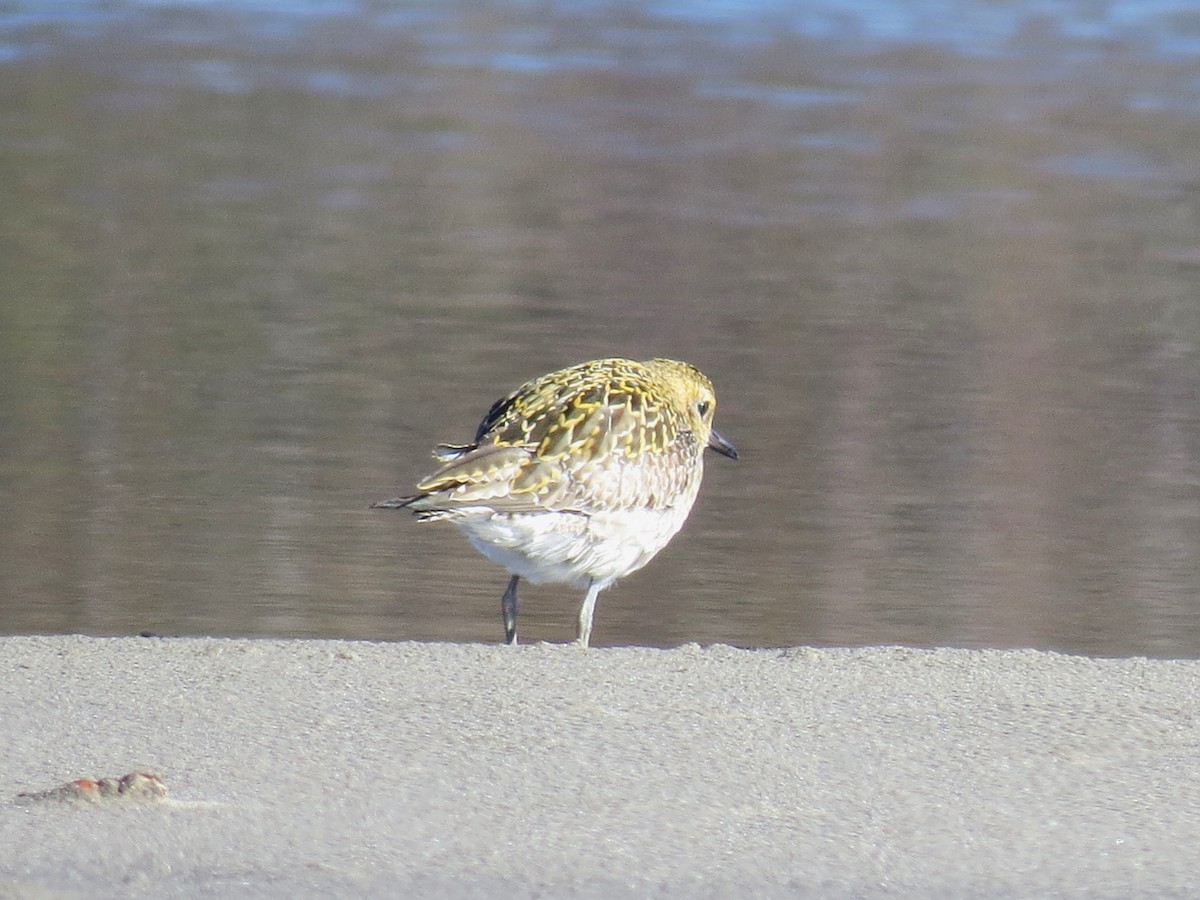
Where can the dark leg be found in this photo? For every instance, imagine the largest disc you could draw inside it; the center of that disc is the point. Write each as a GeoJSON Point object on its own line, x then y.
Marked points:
{"type": "Point", "coordinates": [508, 606]}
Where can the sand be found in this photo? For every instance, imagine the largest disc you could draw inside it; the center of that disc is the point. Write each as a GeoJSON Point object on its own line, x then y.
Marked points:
{"type": "Point", "coordinates": [332, 768]}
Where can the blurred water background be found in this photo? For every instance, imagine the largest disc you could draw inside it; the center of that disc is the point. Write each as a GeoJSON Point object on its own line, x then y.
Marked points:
{"type": "Point", "coordinates": [941, 259]}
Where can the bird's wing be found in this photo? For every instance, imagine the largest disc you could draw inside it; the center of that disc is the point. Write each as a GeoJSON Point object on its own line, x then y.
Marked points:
{"type": "Point", "coordinates": [505, 478]}
{"type": "Point", "coordinates": [595, 437]}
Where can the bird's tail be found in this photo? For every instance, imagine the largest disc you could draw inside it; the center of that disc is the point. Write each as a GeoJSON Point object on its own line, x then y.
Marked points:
{"type": "Point", "coordinates": [396, 502]}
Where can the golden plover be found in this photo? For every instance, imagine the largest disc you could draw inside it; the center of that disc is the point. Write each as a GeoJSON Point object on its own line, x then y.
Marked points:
{"type": "Point", "coordinates": [579, 477]}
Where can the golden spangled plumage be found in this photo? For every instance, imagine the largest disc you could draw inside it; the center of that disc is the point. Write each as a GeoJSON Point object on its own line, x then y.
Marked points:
{"type": "Point", "coordinates": [580, 476]}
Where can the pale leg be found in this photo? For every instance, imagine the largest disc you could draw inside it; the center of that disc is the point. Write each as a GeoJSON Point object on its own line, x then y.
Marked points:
{"type": "Point", "coordinates": [587, 611]}
{"type": "Point", "coordinates": [508, 606]}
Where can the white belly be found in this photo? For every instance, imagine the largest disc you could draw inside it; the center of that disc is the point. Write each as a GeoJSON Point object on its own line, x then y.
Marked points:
{"type": "Point", "coordinates": [570, 548]}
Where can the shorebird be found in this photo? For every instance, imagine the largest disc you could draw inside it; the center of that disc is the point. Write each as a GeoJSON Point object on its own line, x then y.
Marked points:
{"type": "Point", "coordinates": [578, 477]}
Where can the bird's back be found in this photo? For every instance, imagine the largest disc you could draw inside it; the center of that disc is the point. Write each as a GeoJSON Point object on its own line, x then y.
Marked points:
{"type": "Point", "coordinates": [604, 436]}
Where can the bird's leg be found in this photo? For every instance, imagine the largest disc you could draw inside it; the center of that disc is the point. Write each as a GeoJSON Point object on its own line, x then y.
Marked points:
{"type": "Point", "coordinates": [587, 611]}
{"type": "Point", "coordinates": [508, 606]}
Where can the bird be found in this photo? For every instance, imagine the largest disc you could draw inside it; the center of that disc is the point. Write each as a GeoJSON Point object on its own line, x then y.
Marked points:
{"type": "Point", "coordinates": [579, 477]}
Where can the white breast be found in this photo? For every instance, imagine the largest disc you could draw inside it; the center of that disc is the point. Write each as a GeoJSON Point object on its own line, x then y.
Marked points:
{"type": "Point", "coordinates": [572, 548]}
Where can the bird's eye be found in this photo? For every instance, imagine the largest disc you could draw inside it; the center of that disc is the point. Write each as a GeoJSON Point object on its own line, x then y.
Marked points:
{"type": "Point", "coordinates": [703, 407]}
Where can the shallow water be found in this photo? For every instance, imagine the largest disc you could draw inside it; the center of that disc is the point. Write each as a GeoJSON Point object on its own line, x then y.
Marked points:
{"type": "Point", "coordinates": [257, 259]}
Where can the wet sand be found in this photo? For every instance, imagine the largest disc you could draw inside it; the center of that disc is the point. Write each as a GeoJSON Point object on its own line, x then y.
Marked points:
{"type": "Point", "coordinates": [306, 768]}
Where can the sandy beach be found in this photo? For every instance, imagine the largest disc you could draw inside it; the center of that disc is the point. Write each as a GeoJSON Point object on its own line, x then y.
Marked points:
{"type": "Point", "coordinates": [327, 768]}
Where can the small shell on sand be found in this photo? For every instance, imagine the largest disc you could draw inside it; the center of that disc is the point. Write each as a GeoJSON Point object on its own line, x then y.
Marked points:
{"type": "Point", "coordinates": [134, 787]}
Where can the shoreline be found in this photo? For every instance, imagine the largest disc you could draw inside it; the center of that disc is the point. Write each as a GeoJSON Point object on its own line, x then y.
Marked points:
{"type": "Point", "coordinates": [317, 767]}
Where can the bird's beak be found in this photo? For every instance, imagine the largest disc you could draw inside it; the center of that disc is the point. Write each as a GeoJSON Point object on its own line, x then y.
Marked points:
{"type": "Point", "coordinates": [722, 446]}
